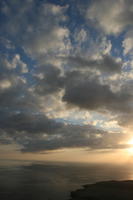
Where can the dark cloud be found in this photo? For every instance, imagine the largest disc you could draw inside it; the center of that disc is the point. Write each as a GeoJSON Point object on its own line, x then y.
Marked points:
{"type": "Point", "coordinates": [37, 133]}
{"type": "Point", "coordinates": [74, 136]}
{"type": "Point", "coordinates": [51, 80]}
{"type": "Point", "coordinates": [106, 64]}
{"type": "Point", "coordinates": [22, 122]}
{"type": "Point", "coordinates": [92, 95]}
{"type": "Point", "coordinates": [27, 122]}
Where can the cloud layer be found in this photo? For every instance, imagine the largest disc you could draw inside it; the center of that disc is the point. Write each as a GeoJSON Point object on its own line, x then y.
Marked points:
{"type": "Point", "coordinates": [57, 63]}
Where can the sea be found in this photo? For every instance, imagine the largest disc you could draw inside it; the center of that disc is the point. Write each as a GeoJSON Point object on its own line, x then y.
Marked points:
{"type": "Point", "coordinates": [35, 180]}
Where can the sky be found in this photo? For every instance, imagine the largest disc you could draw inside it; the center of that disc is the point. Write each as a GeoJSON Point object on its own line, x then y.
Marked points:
{"type": "Point", "coordinates": [66, 74]}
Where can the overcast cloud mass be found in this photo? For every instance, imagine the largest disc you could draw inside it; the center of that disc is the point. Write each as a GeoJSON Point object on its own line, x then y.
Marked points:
{"type": "Point", "coordinates": [66, 74]}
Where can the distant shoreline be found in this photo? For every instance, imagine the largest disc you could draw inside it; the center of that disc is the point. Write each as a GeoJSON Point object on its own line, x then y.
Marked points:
{"type": "Point", "coordinates": [110, 190]}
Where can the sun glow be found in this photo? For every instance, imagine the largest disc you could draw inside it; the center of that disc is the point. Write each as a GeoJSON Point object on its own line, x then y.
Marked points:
{"type": "Point", "coordinates": [130, 143]}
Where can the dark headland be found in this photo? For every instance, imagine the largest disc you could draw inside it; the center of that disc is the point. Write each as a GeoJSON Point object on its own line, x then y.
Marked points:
{"type": "Point", "coordinates": [109, 190]}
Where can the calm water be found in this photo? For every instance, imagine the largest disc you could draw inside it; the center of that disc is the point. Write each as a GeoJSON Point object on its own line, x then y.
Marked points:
{"type": "Point", "coordinates": [53, 181]}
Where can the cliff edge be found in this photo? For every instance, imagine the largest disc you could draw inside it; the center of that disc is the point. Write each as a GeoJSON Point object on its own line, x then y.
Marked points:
{"type": "Point", "coordinates": [109, 190]}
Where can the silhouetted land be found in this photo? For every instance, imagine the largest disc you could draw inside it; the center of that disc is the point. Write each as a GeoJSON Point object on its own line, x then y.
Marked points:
{"type": "Point", "coordinates": [110, 190]}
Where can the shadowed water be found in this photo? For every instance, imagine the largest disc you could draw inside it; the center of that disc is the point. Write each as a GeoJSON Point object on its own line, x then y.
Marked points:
{"type": "Point", "coordinates": [53, 181]}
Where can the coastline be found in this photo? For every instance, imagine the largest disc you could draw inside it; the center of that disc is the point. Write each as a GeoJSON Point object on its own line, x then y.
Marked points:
{"type": "Point", "coordinates": [111, 190]}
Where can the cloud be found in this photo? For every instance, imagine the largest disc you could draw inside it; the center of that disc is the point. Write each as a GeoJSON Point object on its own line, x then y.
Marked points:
{"type": "Point", "coordinates": [47, 69]}
{"type": "Point", "coordinates": [105, 64]}
{"type": "Point", "coordinates": [23, 122]}
{"type": "Point", "coordinates": [112, 16]}
{"type": "Point", "coordinates": [128, 43]}
{"type": "Point", "coordinates": [15, 95]}
{"type": "Point", "coordinates": [49, 80]}
{"type": "Point", "coordinates": [36, 27]}
{"type": "Point", "coordinates": [89, 93]}
{"type": "Point", "coordinates": [35, 132]}
{"type": "Point", "coordinates": [27, 122]}
{"type": "Point", "coordinates": [80, 36]}
{"type": "Point", "coordinates": [74, 136]}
